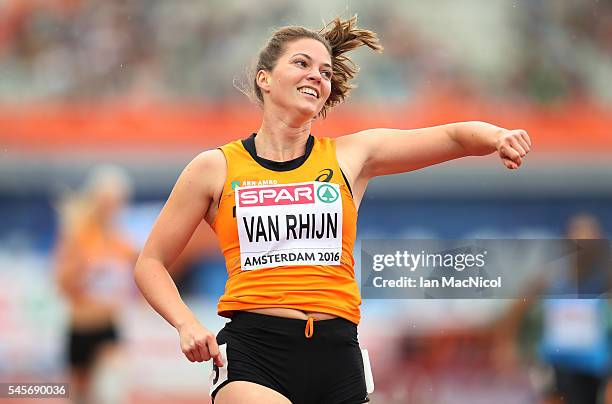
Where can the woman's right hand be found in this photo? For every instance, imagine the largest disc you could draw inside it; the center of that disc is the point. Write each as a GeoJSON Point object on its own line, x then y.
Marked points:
{"type": "Point", "coordinates": [199, 344]}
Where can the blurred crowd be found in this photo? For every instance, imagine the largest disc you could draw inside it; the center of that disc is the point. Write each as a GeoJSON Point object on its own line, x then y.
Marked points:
{"type": "Point", "coordinates": [541, 51]}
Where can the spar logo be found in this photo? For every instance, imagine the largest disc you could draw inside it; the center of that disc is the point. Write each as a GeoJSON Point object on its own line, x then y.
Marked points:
{"type": "Point", "coordinates": [298, 194]}
{"type": "Point", "coordinates": [326, 193]}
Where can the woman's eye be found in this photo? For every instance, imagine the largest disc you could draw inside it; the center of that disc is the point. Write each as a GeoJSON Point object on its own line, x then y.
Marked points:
{"type": "Point", "coordinates": [327, 74]}
{"type": "Point", "coordinates": [300, 62]}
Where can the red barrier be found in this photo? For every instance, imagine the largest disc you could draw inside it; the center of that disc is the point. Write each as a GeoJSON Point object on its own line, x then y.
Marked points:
{"type": "Point", "coordinates": [56, 128]}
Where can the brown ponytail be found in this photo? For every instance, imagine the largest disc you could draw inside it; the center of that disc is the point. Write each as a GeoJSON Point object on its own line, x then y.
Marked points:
{"type": "Point", "coordinates": [344, 36]}
{"type": "Point", "coordinates": [338, 37]}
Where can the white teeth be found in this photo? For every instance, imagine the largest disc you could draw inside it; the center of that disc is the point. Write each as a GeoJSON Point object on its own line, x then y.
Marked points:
{"type": "Point", "coordinates": [307, 90]}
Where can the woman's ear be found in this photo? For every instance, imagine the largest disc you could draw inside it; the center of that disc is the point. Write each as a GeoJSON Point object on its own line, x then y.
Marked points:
{"type": "Point", "coordinates": [263, 80]}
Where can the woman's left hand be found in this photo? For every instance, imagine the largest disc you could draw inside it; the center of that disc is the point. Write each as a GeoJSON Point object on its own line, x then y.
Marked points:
{"type": "Point", "coordinates": [513, 146]}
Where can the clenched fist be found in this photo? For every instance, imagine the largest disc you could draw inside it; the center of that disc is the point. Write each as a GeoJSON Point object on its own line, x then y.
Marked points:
{"type": "Point", "coordinates": [199, 344]}
{"type": "Point", "coordinates": [513, 146]}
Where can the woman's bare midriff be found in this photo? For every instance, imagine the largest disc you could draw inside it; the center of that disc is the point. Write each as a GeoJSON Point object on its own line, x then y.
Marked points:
{"type": "Point", "coordinates": [292, 313]}
{"type": "Point", "coordinates": [89, 316]}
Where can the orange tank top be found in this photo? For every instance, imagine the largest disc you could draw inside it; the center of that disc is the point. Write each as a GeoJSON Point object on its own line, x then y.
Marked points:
{"type": "Point", "coordinates": [287, 231]}
{"type": "Point", "coordinates": [109, 260]}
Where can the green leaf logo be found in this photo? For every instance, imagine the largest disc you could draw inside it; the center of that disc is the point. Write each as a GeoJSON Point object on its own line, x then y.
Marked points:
{"type": "Point", "coordinates": [327, 194]}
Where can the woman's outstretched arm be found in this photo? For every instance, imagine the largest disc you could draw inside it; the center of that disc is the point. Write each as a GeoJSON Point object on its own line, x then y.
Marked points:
{"type": "Point", "coordinates": [378, 152]}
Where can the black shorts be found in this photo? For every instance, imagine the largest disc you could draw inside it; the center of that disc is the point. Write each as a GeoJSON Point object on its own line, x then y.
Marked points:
{"type": "Point", "coordinates": [84, 345]}
{"type": "Point", "coordinates": [274, 352]}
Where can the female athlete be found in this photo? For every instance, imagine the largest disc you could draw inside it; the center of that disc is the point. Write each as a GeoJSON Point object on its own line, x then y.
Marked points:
{"type": "Point", "coordinates": [94, 262]}
{"type": "Point", "coordinates": [283, 204]}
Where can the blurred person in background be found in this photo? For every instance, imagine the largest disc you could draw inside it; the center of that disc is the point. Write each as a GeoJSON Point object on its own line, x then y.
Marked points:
{"type": "Point", "coordinates": [569, 338]}
{"type": "Point", "coordinates": [94, 262]}
{"type": "Point", "coordinates": [291, 316]}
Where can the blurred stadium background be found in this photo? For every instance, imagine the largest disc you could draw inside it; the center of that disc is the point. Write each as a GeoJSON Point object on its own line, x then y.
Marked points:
{"type": "Point", "coordinates": [147, 85]}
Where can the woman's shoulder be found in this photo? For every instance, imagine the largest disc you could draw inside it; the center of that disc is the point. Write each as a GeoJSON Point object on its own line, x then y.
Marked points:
{"type": "Point", "coordinates": [212, 156]}
{"type": "Point", "coordinates": [354, 145]}
{"type": "Point", "coordinates": [207, 161]}
{"type": "Point", "coordinates": [206, 172]}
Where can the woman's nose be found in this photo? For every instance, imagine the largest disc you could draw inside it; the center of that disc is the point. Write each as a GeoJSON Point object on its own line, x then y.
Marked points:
{"type": "Point", "coordinates": [315, 76]}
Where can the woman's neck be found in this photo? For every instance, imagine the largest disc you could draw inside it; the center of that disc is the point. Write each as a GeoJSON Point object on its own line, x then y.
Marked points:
{"type": "Point", "coordinates": [281, 139]}
{"type": "Point", "coordinates": [103, 223]}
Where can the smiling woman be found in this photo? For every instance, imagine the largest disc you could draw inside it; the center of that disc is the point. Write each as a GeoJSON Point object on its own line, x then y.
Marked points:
{"type": "Point", "coordinates": [324, 53]}
{"type": "Point", "coordinates": [283, 204]}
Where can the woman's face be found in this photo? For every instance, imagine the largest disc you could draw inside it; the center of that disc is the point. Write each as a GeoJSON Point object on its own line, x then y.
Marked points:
{"type": "Point", "coordinates": [584, 227]}
{"type": "Point", "coordinates": [301, 79]}
{"type": "Point", "coordinates": [109, 202]}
